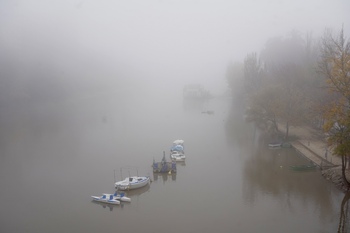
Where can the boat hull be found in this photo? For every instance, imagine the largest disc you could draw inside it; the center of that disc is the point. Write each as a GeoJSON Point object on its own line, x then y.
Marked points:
{"type": "Point", "coordinates": [105, 200]}
{"type": "Point", "coordinates": [119, 197]}
{"type": "Point", "coordinates": [178, 158]}
{"type": "Point", "coordinates": [126, 185]}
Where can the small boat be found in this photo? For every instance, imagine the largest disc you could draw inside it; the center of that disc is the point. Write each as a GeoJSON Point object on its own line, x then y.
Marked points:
{"type": "Point", "coordinates": [177, 152]}
{"type": "Point", "coordinates": [120, 196]}
{"type": "Point", "coordinates": [275, 144]}
{"type": "Point", "coordinates": [132, 182]}
{"type": "Point", "coordinates": [177, 156]}
{"type": "Point", "coordinates": [106, 198]}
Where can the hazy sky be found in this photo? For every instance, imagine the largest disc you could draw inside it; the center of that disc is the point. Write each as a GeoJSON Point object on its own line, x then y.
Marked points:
{"type": "Point", "coordinates": [154, 41]}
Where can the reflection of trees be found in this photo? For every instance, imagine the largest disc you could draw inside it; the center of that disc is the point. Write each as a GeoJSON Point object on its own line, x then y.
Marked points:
{"type": "Point", "coordinates": [344, 210]}
{"type": "Point", "coordinates": [268, 171]}
{"type": "Point", "coordinates": [237, 130]}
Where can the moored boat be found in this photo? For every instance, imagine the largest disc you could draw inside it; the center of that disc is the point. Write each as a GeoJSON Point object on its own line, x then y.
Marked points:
{"type": "Point", "coordinates": [275, 144]}
{"type": "Point", "coordinates": [132, 182]}
{"type": "Point", "coordinates": [120, 196]}
{"type": "Point", "coordinates": [177, 152]}
{"type": "Point", "coordinates": [106, 198]}
{"type": "Point", "coordinates": [177, 156]}
{"type": "Point", "coordinates": [164, 166]}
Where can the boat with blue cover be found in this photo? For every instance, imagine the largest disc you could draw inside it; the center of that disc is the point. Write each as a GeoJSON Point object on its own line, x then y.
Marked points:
{"type": "Point", "coordinates": [177, 151]}
{"type": "Point", "coordinates": [106, 198]}
{"type": "Point", "coordinates": [120, 196]}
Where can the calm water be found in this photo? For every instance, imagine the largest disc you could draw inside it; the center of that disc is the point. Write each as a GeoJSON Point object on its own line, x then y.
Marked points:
{"type": "Point", "coordinates": [54, 156]}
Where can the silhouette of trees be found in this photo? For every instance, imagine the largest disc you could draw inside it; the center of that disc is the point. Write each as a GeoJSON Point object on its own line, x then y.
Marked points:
{"type": "Point", "coordinates": [276, 83]}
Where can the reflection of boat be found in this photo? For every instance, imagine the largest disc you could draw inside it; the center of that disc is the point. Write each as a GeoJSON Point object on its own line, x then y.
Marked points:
{"type": "Point", "coordinates": [181, 163]}
{"type": "Point", "coordinates": [132, 182]}
{"type": "Point", "coordinates": [164, 176]}
{"type": "Point", "coordinates": [305, 167]}
{"type": "Point", "coordinates": [109, 199]}
{"type": "Point", "coordinates": [137, 192]}
{"type": "Point", "coordinates": [105, 205]}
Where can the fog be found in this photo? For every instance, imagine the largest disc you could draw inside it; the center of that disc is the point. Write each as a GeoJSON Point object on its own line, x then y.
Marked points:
{"type": "Point", "coordinates": [143, 45]}
{"type": "Point", "coordinates": [89, 86]}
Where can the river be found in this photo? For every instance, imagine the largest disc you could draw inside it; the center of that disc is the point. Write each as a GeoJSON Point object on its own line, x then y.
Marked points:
{"type": "Point", "coordinates": [54, 156]}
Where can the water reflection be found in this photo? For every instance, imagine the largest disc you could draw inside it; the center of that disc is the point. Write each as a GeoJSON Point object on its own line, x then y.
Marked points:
{"type": "Point", "coordinates": [164, 176]}
{"type": "Point", "coordinates": [267, 171]}
{"type": "Point", "coordinates": [251, 183]}
{"type": "Point", "coordinates": [109, 206]}
{"type": "Point", "coordinates": [137, 192]}
{"type": "Point", "coordinates": [181, 163]}
{"type": "Point", "coordinates": [344, 211]}
{"type": "Point", "coordinates": [195, 105]}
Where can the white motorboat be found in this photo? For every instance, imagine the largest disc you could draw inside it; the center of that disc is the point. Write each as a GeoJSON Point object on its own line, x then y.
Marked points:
{"type": "Point", "coordinates": [132, 182]}
{"type": "Point", "coordinates": [177, 156]}
{"type": "Point", "coordinates": [106, 198]}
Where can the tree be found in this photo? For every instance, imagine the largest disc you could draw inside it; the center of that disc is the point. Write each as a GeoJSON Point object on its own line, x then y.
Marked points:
{"type": "Point", "coordinates": [252, 73]}
{"type": "Point", "coordinates": [287, 64]}
{"type": "Point", "coordinates": [335, 65]}
{"type": "Point", "coordinates": [235, 76]}
{"type": "Point", "coordinates": [292, 102]}
{"type": "Point", "coordinates": [262, 109]}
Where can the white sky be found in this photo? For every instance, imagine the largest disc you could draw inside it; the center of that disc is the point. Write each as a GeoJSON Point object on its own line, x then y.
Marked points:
{"type": "Point", "coordinates": [159, 40]}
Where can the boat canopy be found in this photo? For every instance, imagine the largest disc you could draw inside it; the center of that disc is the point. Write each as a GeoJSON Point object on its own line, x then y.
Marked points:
{"type": "Point", "coordinates": [178, 142]}
{"type": "Point", "coordinates": [177, 148]}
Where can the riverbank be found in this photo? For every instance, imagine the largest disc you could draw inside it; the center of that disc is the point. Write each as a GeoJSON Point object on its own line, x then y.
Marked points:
{"type": "Point", "coordinates": [312, 145]}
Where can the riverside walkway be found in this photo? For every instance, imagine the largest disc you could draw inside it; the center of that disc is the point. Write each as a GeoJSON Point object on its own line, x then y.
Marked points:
{"type": "Point", "coordinates": [313, 146]}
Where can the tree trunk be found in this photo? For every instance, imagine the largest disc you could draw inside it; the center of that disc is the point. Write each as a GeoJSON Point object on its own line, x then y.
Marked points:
{"type": "Point", "coordinates": [287, 131]}
{"type": "Point", "coordinates": [343, 168]}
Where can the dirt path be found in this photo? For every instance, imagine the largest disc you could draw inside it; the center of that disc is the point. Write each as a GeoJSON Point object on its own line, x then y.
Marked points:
{"type": "Point", "coordinates": [311, 143]}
